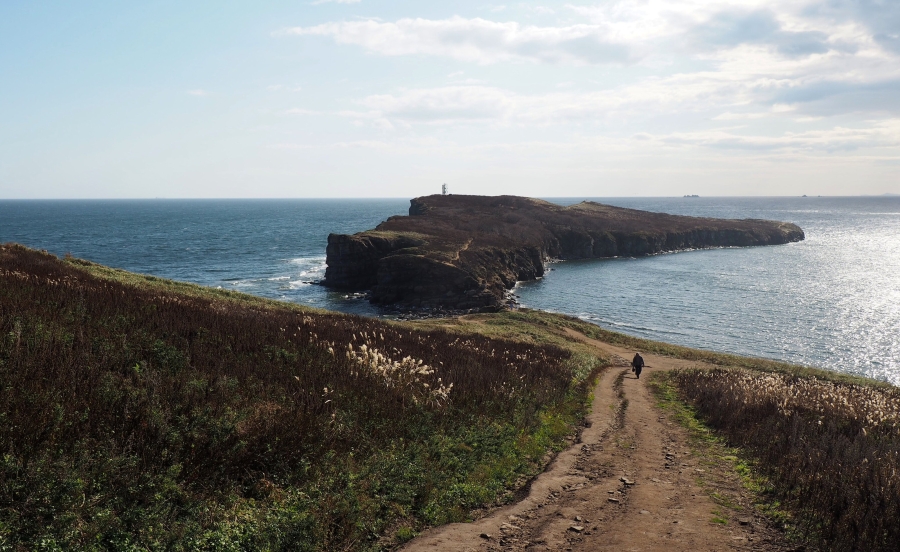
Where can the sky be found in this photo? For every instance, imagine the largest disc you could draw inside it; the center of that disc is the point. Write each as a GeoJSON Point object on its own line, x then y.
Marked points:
{"type": "Point", "coordinates": [379, 98]}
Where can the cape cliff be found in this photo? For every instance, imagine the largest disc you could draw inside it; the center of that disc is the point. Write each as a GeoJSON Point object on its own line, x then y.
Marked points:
{"type": "Point", "coordinates": [464, 252]}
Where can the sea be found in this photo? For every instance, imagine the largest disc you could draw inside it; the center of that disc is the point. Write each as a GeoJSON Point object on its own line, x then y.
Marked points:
{"type": "Point", "coordinates": [831, 301]}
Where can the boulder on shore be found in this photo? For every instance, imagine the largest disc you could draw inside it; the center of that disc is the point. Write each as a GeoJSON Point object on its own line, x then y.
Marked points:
{"type": "Point", "coordinates": [463, 252]}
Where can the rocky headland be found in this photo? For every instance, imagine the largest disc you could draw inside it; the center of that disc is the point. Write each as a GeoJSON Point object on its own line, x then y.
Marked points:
{"type": "Point", "coordinates": [464, 252]}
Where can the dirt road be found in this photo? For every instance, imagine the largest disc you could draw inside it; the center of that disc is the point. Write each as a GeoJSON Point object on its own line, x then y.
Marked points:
{"type": "Point", "coordinates": [632, 483]}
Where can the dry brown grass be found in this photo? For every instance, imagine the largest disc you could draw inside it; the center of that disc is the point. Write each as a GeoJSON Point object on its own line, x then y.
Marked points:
{"type": "Point", "coordinates": [831, 449]}
{"type": "Point", "coordinates": [139, 413]}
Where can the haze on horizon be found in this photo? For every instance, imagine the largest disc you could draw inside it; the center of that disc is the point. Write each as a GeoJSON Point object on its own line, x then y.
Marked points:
{"type": "Point", "coordinates": [369, 98]}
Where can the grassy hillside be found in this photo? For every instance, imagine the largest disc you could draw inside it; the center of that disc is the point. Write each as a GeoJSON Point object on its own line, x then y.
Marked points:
{"type": "Point", "coordinates": [137, 413]}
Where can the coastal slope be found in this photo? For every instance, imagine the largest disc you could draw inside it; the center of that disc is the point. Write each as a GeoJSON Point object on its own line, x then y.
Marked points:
{"type": "Point", "coordinates": [464, 252]}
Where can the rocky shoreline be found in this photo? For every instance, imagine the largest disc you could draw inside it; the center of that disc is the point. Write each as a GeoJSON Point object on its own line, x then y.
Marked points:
{"type": "Point", "coordinates": [463, 253]}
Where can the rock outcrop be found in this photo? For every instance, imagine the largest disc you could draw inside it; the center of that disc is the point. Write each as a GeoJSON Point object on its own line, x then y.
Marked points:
{"type": "Point", "coordinates": [464, 252]}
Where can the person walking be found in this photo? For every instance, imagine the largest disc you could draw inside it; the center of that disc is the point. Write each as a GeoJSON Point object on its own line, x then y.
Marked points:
{"type": "Point", "coordinates": [637, 364]}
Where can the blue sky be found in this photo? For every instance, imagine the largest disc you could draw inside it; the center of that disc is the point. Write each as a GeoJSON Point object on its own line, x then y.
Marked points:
{"type": "Point", "coordinates": [376, 98]}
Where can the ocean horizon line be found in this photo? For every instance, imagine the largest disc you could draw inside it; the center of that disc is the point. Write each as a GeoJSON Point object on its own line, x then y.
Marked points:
{"type": "Point", "coordinates": [388, 198]}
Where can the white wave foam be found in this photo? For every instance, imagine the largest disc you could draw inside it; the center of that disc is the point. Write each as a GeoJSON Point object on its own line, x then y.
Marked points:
{"type": "Point", "coordinates": [308, 261]}
{"type": "Point", "coordinates": [309, 266]}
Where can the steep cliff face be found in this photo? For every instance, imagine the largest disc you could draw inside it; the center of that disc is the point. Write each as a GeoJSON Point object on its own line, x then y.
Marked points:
{"type": "Point", "coordinates": [464, 252]}
{"type": "Point", "coordinates": [353, 261]}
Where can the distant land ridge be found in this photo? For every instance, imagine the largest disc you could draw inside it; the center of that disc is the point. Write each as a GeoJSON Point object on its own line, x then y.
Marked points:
{"type": "Point", "coordinates": [464, 252]}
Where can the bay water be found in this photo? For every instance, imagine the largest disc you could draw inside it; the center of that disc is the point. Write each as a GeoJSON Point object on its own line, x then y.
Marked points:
{"type": "Point", "coordinates": [831, 301]}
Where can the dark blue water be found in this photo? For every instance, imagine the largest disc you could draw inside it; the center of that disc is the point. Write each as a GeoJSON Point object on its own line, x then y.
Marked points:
{"type": "Point", "coordinates": [273, 248]}
{"type": "Point", "coordinates": [831, 301]}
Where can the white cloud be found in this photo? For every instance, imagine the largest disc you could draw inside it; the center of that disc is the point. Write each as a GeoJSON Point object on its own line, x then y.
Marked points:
{"type": "Point", "coordinates": [750, 51]}
{"type": "Point", "coordinates": [879, 140]}
{"type": "Point", "coordinates": [729, 116]}
{"type": "Point", "coordinates": [476, 40]}
{"type": "Point", "coordinates": [198, 92]}
{"type": "Point", "coordinates": [625, 31]}
{"type": "Point", "coordinates": [649, 97]}
{"type": "Point", "coordinates": [496, 107]}
{"type": "Point", "coordinates": [883, 134]}
{"type": "Point", "coordinates": [362, 144]}
{"type": "Point", "coordinates": [763, 64]}
{"type": "Point", "coordinates": [445, 104]}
